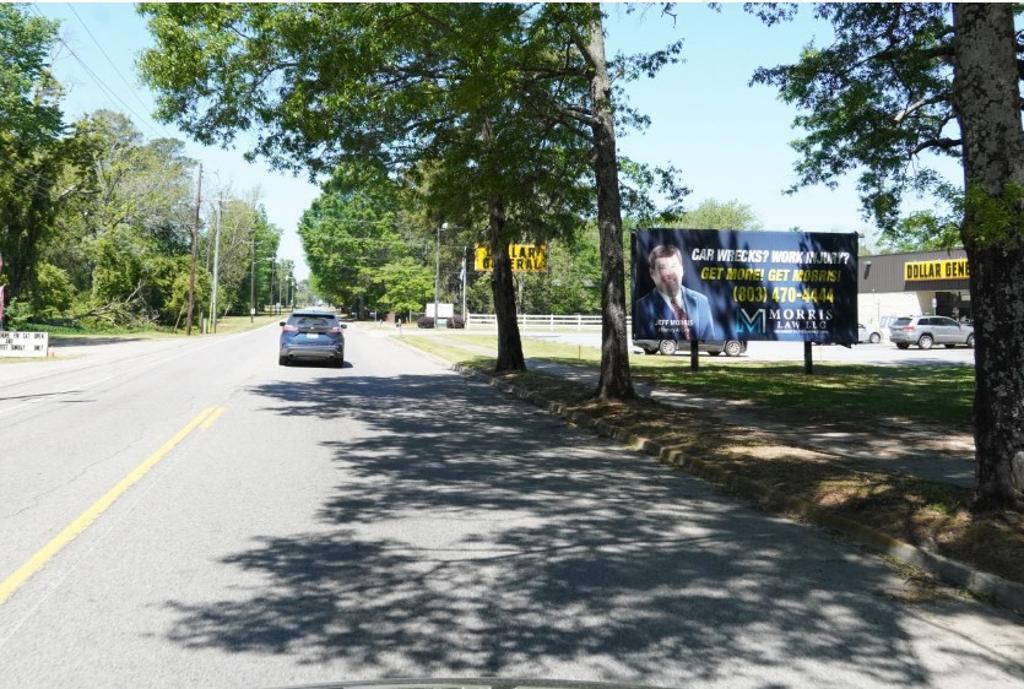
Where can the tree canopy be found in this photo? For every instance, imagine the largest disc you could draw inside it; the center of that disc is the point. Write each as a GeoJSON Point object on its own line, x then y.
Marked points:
{"type": "Point", "coordinates": [501, 105]}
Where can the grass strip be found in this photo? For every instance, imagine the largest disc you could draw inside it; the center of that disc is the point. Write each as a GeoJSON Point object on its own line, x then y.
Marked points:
{"type": "Point", "coordinates": [940, 395]}
{"type": "Point", "coordinates": [226, 325]}
{"type": "Point", "coordinates": [933, 516]}
{"type": "Point", "coordinates": [237, 324]}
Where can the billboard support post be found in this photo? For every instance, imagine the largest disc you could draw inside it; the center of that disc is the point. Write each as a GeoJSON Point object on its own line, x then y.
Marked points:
{"type": "Point", "coordinates": [808, 359]}
{"type": "Point", "coordinates": [694, 356]}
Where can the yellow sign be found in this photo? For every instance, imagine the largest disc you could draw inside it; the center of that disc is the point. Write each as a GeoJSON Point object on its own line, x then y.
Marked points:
{"type": "Point", "coordinates": [526, 258]}
{"type": "Point", "coordinates": [946, 269]}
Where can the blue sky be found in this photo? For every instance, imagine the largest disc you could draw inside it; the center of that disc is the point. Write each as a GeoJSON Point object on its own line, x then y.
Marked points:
{"type": "Point", "coordinates": [730, 140]}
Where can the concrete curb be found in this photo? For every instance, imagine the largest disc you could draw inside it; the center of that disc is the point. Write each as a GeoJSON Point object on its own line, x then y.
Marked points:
{"type": "Point", "coordinates": [990, 587]}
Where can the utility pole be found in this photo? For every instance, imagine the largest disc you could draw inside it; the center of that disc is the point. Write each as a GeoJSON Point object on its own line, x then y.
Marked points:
{"type": "Point", "coordinates": [270, 285]}
{"type": "Point", "coordinates": [280, 289]}
{"type": "Point", "coordinates": [216, 267]}
{"type": "Point", "coordinates": [195, 241]}
{"type": "Point", "coordinates": [464, 284]}
{"type": "Point", "coordinates": [252, 282]}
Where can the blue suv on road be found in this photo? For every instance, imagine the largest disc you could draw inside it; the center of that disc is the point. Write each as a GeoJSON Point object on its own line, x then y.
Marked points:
{"type": "Point", "coordinates": [312, 335]}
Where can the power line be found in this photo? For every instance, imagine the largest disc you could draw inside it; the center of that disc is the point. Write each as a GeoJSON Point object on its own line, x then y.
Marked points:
{"type": "Point", "coordinates": [110, 62]}
{"type": "Point", "coordinates": [107, 91]}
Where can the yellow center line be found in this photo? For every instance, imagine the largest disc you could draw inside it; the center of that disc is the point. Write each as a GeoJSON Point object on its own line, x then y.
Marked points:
{"type": "Point", "coordinates": [217, 411]}
{"type": "Point", "coordinates": [82, 522]}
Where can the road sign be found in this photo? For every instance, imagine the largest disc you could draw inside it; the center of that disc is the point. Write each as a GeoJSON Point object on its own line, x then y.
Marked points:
{"type": "Point", "coordinates": [23, 345]}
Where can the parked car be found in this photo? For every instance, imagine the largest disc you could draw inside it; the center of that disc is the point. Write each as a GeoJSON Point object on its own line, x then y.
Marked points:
{"type": "Point", "coordinates": [925, 331]}
{"type": "Point", "coordinates": [866, 334]}
{"type": "Point", "coordinates": [669, 347]}
{"type": "Point", "coordinates": [315, 335]}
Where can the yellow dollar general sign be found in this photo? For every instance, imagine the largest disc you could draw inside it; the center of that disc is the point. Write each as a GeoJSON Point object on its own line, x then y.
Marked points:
{"type": "Point", "coordinates": [526, 258]}
{"type": "Point", "coordinates": [950, 269]}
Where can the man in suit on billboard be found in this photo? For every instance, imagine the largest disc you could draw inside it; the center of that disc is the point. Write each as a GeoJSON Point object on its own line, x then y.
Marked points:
{"type": "Point", "coordinates": [671, 311]}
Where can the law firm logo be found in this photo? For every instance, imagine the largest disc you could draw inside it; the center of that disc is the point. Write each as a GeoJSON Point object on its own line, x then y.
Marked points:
{"type": "Point", "coordinates": [753, 322]}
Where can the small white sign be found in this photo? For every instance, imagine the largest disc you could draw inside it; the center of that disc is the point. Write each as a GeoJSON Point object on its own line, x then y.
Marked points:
{"type": "Point", "coordinates": [446, 310]}
{"type": "Point", "coordinates": [19, 344]}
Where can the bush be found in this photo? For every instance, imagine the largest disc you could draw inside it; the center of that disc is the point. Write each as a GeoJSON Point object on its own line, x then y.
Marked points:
{"type": "Point", "coordinates": [52, 293]}
{"type": "Point", "coordinates": [456, 322]}
{"type": "Point", "coordinates": [425, 322]}
{"type": "Point", "coordinates": [17, 314]}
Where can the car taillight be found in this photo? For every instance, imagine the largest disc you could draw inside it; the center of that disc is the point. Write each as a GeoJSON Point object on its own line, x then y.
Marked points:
{"type": "Point", "coordinates": [290, 328]}
{"type": "Point", "coordinates": [335, 330]}
{"type": "Point", "coordinates": [908, 328]}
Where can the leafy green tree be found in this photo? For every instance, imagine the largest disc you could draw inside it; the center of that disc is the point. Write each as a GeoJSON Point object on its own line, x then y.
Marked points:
{"type": "Point", "coordinates": [31, 145]}
{"type": "Point", "coordinates": [572, 283]}
{"type": "Point", "coordinates": [712, 214]}
{"type": "Point", "coordinates": [53, 293]}
{"type": "Point", "coordinates": [921, 231]}
{"type": "Point", "coordinates": [245, 235]}
{"type": "Point", "coordinates": [118, 236]}
{"type": "Point", "coordinates": [901, 79]}
{"type": "Point", "coordinates": [28, 109]}
{"type": "Point", "coordinates": [406, 285]}
{"type": "Point", "coordinates": [348, 234]}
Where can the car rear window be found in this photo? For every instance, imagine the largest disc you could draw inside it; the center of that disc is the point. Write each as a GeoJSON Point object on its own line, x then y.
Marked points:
{"type": "Point", "coordinates": [304, 321]}
{"type": "Point", "coordinates": [899, 321]}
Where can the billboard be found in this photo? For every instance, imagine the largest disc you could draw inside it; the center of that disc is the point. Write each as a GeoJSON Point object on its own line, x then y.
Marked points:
{"type": "Point", "coordinates": [713, 285]}
{"type": "Point", "coordinates": [526, 258]}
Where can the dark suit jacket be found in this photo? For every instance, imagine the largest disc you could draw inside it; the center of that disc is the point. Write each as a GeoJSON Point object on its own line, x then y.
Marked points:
{"type": "Point", "coordinates": [653, 318]}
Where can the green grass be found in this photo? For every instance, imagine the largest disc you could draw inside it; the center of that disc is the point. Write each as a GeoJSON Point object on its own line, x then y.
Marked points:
{"type": "Point", "coordinates": [847, 392]}
{"type": "Point", "coordinates": [853, 393]}
{"type": "Point", "coordinates": [235, 324]}
{"type": "Point", "coordinates": [447, 351]}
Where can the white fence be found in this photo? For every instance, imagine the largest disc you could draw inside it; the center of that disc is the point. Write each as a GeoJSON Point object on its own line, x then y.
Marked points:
{"type": "Point", "coordinates": [539, 322]}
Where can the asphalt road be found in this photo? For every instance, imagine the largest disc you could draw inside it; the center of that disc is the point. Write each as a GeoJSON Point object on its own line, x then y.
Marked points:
{"type": "Point", "coordinates": [391, 519]}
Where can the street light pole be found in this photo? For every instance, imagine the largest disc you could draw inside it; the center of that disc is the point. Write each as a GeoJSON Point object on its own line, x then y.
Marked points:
{"type": "Point", "coordinates": [464, 277]}
{"type": "Point", "coordinates": [437, 273]}
{"type": "Point", "coordinates": [252, 282]}
{"type": "Point", "coordinates": [195, 242]}
{"type": "Point", "coordinates": [216, 268]}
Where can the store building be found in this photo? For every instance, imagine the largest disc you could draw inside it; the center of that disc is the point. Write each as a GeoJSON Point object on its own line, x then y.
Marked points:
{"type": "Point", "coordinates": [913, 284]}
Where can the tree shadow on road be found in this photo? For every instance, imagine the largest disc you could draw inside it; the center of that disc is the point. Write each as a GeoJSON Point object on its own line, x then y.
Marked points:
{"type": "Point", "coordinates": [471, 535]}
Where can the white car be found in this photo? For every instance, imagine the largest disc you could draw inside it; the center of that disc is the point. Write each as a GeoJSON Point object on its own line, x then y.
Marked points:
{"type": "Point", "coordinates": [866, 334]}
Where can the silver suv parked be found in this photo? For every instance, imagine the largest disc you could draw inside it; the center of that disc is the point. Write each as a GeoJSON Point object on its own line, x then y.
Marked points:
{"type": "Point", "coordinates": [925, 331]}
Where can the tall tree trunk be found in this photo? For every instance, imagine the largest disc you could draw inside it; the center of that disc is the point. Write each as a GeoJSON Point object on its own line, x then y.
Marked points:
{"type": "Point", "coordinates": [615, 381]}
{"type": "Point", "coordinates": [988, 109]}
{"type": "Point", "coordinates": [510, 346]}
